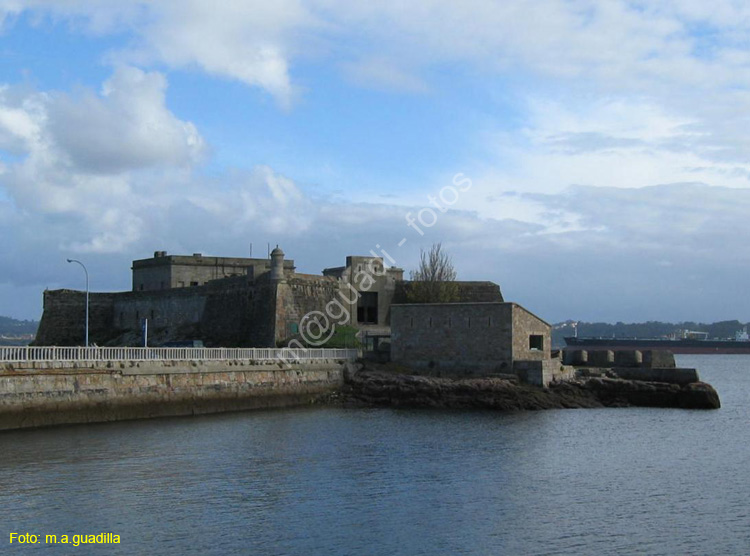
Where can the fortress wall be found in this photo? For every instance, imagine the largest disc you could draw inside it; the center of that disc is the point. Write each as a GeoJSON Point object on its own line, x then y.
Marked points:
{"type": "Point", "coordinates": [297, 297]}
{"type": "Point", "coordinates": [138, 390]}
{"type": "Point", "coordinates": [234, 312]}
{"type": "Point", "coordinates": [239, 314]}
{"type": "Point", "coordinates": [63, 322]}
{"type": "Point", "coordinates": [161, 308]}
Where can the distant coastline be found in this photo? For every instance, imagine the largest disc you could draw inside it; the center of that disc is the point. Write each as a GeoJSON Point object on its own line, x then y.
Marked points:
{"type": "Point", "coordinates": [14, 332]}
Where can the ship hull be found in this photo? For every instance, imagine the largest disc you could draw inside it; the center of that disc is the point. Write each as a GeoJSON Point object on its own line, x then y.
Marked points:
{"type": "Point", "coordinates": [675, 346]}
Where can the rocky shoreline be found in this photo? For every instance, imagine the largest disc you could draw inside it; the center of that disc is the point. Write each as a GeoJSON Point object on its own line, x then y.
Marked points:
{"type": "Point", "coordinates": [381, 385]}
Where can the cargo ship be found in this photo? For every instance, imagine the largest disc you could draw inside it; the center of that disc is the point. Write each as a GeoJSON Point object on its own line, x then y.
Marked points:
{"type": "Point", "coordinates": [685, 341]}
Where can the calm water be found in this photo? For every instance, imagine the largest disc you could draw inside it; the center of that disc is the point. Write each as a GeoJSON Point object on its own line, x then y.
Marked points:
{"type": "Point", "coordinates": [334, 481]}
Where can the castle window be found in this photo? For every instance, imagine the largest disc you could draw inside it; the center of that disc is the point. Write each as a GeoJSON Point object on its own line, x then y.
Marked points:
{"type": "Point", "coordinates": [489, 321]}
{"type": "Point", "coordinates": [367, 308]}
{"type": "Point", "coordinates": [152, 314]}
{"type": "Point", "coordinates": [536, 342]}
{"type": "Point", "coordinates": [193, 283]}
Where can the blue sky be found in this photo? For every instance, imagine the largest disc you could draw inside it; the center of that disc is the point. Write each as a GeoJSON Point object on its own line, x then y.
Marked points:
{"type": "Point", "coordinates": [606, 143]}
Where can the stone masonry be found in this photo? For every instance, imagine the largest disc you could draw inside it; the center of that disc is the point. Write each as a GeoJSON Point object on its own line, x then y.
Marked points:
{"type": "Point", "coordinates": [231, 302]}
{"type": "Point", "coordinates": [467, 338]}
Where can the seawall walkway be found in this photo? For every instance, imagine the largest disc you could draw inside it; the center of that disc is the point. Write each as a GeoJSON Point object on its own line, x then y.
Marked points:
{"type": "Point", "coordinates": [42, 386]}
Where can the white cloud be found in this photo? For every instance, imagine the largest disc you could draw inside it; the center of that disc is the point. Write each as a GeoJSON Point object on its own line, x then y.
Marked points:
{"type": "Point", "coordinates": [383, 74]}
{"type": "Point", "coordinates": [87, 159]}
{"type": "Point", "coordinates": [667, 50]}
{"type": "Point", "coordinates": [127, 126]}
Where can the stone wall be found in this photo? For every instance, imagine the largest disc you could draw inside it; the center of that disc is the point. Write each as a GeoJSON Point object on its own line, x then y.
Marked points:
{"type": "Point", "coordinates": [299, 296]}
{"type": "Point", "coordinates": [525, 325]}
{"type": "Point", "coordinates": [465, 338]}
{"type": "Point", "coordinates": [33, 398]}
{"type": "Point", "coordinates": [64, 318]}
{"type": "Point", "coordinates": [180, 271]}
{"type": "Point", "coordinates": [231, 313]}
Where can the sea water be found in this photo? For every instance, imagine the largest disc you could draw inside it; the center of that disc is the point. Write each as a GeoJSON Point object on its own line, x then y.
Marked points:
{"type": "Point", "coordinates": [382, 481]}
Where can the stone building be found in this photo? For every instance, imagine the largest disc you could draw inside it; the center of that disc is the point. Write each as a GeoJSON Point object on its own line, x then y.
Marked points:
{"type": "Point", "coordinates": [470, 338]}
{"type": "Point", "coordinates": [230, 302]}
{"type": "Point", "coordinates": [164, 271]}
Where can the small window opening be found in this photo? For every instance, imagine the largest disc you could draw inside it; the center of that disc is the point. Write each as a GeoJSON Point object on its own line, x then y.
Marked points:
{"type": "Point", "coordinates": [536, 342]}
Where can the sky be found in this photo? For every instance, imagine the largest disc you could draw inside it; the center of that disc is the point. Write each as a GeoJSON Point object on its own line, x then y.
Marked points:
{"type": "Point", "coordinates": [591, 157]}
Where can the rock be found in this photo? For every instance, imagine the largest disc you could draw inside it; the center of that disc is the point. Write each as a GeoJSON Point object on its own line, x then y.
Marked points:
{"type": "Point", "coordinates": [397, 389]}
{"type": "Point", "coordinates": [700, 395]}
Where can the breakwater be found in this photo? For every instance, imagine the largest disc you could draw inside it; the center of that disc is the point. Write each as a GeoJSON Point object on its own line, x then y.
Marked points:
{"type": "Point", "coordinates": [34, 394]}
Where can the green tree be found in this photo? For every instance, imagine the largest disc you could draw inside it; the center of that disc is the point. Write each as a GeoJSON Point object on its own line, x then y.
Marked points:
{"type": "Point", "coordinates": [434, 281]}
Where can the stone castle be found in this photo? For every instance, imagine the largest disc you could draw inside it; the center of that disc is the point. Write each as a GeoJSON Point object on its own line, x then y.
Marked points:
{"type": "Point", "coordinates": [233, 302]}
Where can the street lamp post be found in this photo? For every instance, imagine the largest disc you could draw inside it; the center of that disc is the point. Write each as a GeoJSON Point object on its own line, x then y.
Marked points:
{"type": "Point", "coordinates": [87, 296]}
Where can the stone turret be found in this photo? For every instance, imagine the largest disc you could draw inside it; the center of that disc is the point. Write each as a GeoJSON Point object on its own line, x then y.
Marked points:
{"type": "Point", "coordinates": [277, 265]}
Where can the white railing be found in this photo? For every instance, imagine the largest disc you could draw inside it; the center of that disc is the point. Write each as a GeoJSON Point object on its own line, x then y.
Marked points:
{"type": "Point", "coordinates": [82, 354]}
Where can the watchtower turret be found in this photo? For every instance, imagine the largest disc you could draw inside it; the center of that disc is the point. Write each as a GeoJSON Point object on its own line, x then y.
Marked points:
{"type": "Point", "coordinates": [277, 264]}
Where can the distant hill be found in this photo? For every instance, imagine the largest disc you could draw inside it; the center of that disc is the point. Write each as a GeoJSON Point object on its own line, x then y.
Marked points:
{"type": "Point", "coordinates": [650, 329]}
{"type": "Point", "coordinates": [15, 332]}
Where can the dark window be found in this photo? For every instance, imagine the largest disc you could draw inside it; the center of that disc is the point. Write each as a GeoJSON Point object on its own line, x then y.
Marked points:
{"type": "Point", "coordinates": [152, 314]}
{"type": "Point", "coordinates": [536, 342]}
{"type": "Point", "coordinates": [140, 287]}
{"type": "Point", "coordinates": [293, 328]}
{"type": "Point", "coordinates": [367, 308]}
{"type": "Point", "coordinates": [193, 283]}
